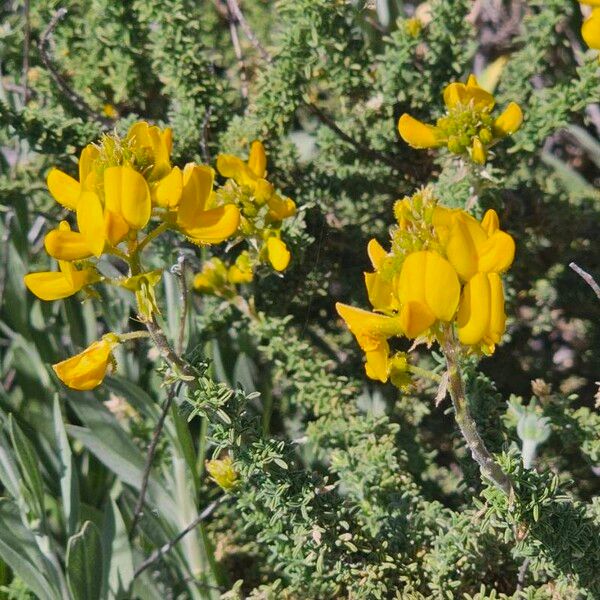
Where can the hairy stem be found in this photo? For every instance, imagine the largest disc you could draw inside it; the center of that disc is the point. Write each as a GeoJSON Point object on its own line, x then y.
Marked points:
{"type": "Point", "coordinates": [488, 466]}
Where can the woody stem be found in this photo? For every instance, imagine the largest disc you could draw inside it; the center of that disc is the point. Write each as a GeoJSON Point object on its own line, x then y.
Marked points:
{"type": "Point", "coordinates": [488, 466]}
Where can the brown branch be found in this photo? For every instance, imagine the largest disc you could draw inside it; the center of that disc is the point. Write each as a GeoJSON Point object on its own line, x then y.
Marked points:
{"type": "Point", "coordinates": [235, 40]}
{"type": "Point", "coordinates": [137, 512]}
{"type": "Point", "coordinates": [179, 271]}
{"type": "Point", "coordinates": [366, 150]}
{"type": "Point", "coordinates": [71, 94]}
{"type": "Point", "coordinates": [234, 9]}
{"type": "Point", "coordinates": [587, 278]}
{"type": "Point", "coordinates": [156, 555]}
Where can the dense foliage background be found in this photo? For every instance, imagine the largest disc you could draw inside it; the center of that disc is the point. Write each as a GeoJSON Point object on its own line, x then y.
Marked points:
{"type": "Point", "coordinates": [346, 488]}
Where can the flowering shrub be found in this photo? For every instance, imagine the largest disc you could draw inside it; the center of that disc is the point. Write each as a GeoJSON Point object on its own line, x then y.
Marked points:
{"type": "Point", "coordinates": [201, 399]}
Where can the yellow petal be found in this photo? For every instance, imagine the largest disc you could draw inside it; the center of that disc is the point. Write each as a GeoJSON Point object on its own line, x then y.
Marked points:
{"type": "Point", "coordinates": [64, 189]}
{"type": "Point", "coordinates": [442, 288]}
{"type": "Point", "coordinates": [279, 255]}
{"type": "Point", "coordinates": [86, 370]}
{"type": "Point", "coordinates": [377, 365]}
{"type": "Point", "coordinates": [90, 220]}
{"type": "Point", "coordinates": [465, 238]}
{"type": "Point", "coordinates": [454, 94]}
{"type": "Point", "coordinates": [64, 244]}
{"type": "Point", "coordinates": [126, 193]}
{"type": "Point", "coordinates": [257, 160]}
{"type": "Point", "coordinates": [167, 192]}
{"type": "Point", "coordinates": [86, 161]}
{"type": "Point", "coordinates": [376, 253]}
{"type": "Point", "coordinates": [115, 227]}
{"type": "Point", "coordinates": [478, 153]}
{"type": "Point", "coordinates": [490, 221]}
{"type": "Point", "coordinates": [430, 280]}
{"type": "Point", "coordinates": [497, 315]}
{"type": "Point", "coordinates": [590, 2]}
{"type": "Point", "coordinates": [280, 208]}
{"type": "Point", "coordinates": [197, 187]}
{"type": "Point", "coordinates": [418, 134]}
{"type": "Point", "coordinates": [234, 168]}
{"type": "Point", "coordinates": [416, 318]}
{"type": "Point", "coordinates": [369, 328]}
{"type": "Point", "coordinates": [509, 121]}
{"type": "Point", "coordinates": [215, 225]}
{"type": "Point", "coordinates": [470, 94]}
{"type": "Point", "coordinates": [590, 30]}
{"type": "Point", "coordinates": [497, 253]}
{"type": "Point", "coordinates": [51, 285]}
{"type": "Point", "coordinates": [380, 292]}
{"type": "Point", "coordinates": [474, 311]}
{"type": "Point", "coordinates": [442, 220]}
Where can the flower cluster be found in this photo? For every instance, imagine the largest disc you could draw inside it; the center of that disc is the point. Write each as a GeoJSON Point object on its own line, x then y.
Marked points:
{"type": "Point", "coordinates": [127, 194]}
{"type": "Point", "coordinates": [444, 269]}
{"type": "Point", "coordinates": [590, 30]}
{"type": "Point", "coordinates": [262, 211]}
{"type": "Point", "coordinates": [468, 127]}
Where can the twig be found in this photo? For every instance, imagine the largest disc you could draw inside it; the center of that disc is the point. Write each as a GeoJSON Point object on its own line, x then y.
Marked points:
{"type": "Point", "coordinates": [366, 150]}
{"type": "Point", "coordinates": [586, 277]}
{"type": "Point", "coordinates": [235, 10]}
{"type": "Point", "coordinates": [157, 554]}
{"type": "Point", "coordinates": [488, 466]}
{"type": "Point", "coordinates": [71, 94]}
{"type": "Point", "coordinates": [137, 512]}
{"type": "Point", "coordinates": [521, 574]}
{"type": "Point", "coordinates": [235, 40]}
{"type": "Point", "coordinates": [204, 139]}
{"type": "Point", "coordinates": [179, 271]}
{"type": "Point", "coordinates": [26, 42]}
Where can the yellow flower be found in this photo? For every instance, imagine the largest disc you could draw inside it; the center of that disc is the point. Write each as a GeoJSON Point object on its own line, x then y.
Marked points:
{"type": "Point", "coordinates": [54, 285]}
{"type": "Point", "coordinates": [153, 146]}
{"type": "Point", "coordinates": [86, 370]}
{"type": "Point", "coordinates": [213, 277]}
{"type": "Point", "coordinates": [473, 247]}
{"type": "Point", "coordinates": [222, 472]}
{"type": "Point", "coordinates": [481, 318]}
{"type": "Point", "coordinates": [278, 254]}
{"type": "Point", "coordinates": [379, 289]}
{"type": "Point", "coordinates": [428, 290]}
{"type": "Point", "coordinates": [468, 126]}
{"type": "Point", "coordinates": [590, 30]}
{"type": "Point", "coordinates": [372, 332]}
{"type": "Point", "coordinates": [252, 175]}
{"type": "Point", "coordinates": [198, 216]}
{"type": "Point", "coordinates": [241, 270]}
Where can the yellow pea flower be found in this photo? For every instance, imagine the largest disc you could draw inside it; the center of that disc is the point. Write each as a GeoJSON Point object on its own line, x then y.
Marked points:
{"type": "Point", "coordinates": [278, 254]}
{"type": "Point", "coordinates": [65, 189]}
{"type": "Point", "coordinates": [241, 270]}
{"type": "Point", "coordinates": [86, 370]}
{"type": "Point", "coordinates": [54, 285]}
{"type": "Point", "coordinates": [222, 472]}
{"type": "Point", "coordinates": [380, 290]}
{"type": "Point", "coordinates": [468, 126]}
{"type": "Point", "coordinates": [213, 277]}
{"type": "Point", "coordinates": [473, 247]}
{"type": "Point", "coordinates": [197, 215]}
{"type": "Point", "coordinates": [590, 30]}
{"type": "Point", "coordinates": [372, 332]}
{"type": "Point", "coordinates": [64, 244]}
{"type": "Point", "coordinates": [428, 290]}
{"type": "Point", "coordinates": [481, 317]}
{"type": "Point", "coordinates": [154, 146]}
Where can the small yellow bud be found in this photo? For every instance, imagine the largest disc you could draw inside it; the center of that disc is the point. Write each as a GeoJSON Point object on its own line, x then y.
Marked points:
{"type": "Point", "coordinates": [222, 472]}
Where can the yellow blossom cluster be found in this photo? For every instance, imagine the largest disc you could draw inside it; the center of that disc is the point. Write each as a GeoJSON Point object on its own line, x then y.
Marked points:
{"type": "Point", "coordinates": [468, 127]}
{"type": "Point", "coordinates": [262, 211]}
{"type": "Point", "coordinates": [443, 270]}
{"type": "Point", "coordinates": [126, 195]}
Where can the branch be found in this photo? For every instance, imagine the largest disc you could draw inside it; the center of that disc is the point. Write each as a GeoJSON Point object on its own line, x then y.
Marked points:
{"type": "Point", "coordinates": [235, 40]}
{"type": "Point", "coordinates": [149, 458]}
{"type": "Point", "coordinates": [71, 94]}
{"type": "Point", "coordinates": [235, 10]}
{"type": "Point", "coordinates": [156, 555]}
{"type": "Point", "coordinates": [26, 43]}
{"type": "Point", "coordinates": [179, 271]}
{"type": "Point", "coordinates": [587, 278]}
{"type": "Point", "coordinates": [488, 466]}
{"type": "Point", "coordinates": [366, 150]}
